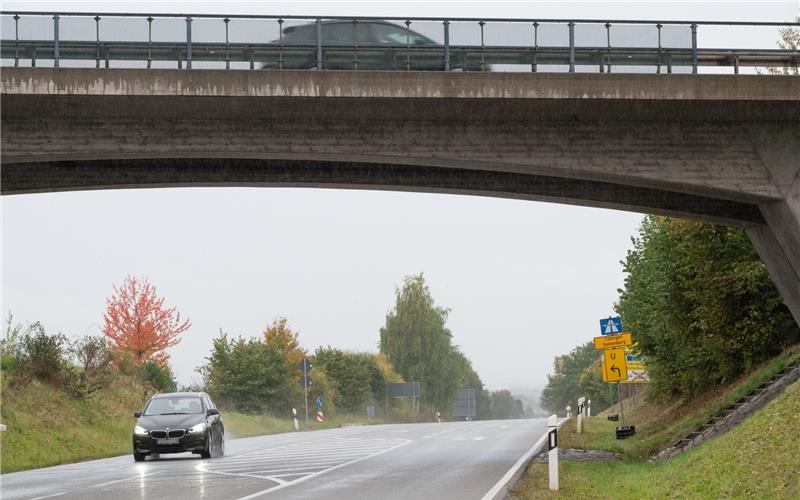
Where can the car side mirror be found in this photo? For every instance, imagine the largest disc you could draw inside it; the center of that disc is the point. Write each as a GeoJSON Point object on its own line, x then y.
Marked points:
{"type": "Point", "coordinates": [137, 414]}
{"type": "Point", "coordinates": [212, 411]}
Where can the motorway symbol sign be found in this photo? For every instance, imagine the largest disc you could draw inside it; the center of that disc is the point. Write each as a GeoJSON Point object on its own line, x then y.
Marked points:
{"type": "Point", "coordinates": [613, 341]}
{"type": "Point", "coordinates": [614, 369]}
{"type": "Point", "coordinates": [611, 326]}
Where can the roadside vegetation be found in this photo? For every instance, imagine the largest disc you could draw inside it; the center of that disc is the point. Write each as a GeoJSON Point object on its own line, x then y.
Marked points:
{"type": "Point", "coordinates": [89, 387]}
{"type": "Point", "coordinates": [757, 459]}
{"type": "Point", "coordinates": [710, 326]}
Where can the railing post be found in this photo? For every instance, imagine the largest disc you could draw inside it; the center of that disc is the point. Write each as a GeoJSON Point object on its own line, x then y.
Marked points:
{"type": "Point", "coordinates": [280, 43]}
{"type": "Point", "coordinates": [446, 24]}
{"type": "Point", "coordinates": [16, 40]}
{"type": "Point", "coordinates": [55, 41]}
{"type": "Point", "coordinates": [97, 32]}
{"type": "Point", "coordinates": [483, 47]}
{"type": "Point", "coordinates": [571, 47]}
{"type": "Point", "coordinates": [227, 44]}
{"type": "Point", "coordinates": [355, 45]}
{"type": "Point", "coordinates": [608, 44]}
{"type": "Point", "coordinates": [149, 41]}
{"type": "Point", "coordinates": [658, 66]}
{"type": "Point", "coordinates": [694, 48]}
{"type": "Point", "coordinates": [408, 45]}
{"type": "Point", "coordinates": [319, 43]}
{"type": "Point", "coordinates": [535, 61]}
{"type": "Point", "coordinates": [188, 42]}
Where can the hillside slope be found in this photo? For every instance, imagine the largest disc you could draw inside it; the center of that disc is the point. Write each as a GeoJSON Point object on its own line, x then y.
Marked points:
{"type": "Point", "coordinates": [757, 459]}
{"type": "Point", "coordinates": [46, 426]}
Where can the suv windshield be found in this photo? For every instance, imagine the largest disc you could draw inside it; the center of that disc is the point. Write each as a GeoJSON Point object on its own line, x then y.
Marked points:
{"type": "Point", "coordinates": [174, 406]}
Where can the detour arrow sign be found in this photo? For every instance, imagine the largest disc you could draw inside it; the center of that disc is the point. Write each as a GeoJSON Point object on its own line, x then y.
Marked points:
{"type": "Point", "coordinates": [614, 369]}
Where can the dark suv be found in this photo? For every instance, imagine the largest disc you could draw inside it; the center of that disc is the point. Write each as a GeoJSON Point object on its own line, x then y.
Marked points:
{"type": "Point", "coordinates": [179, 422]}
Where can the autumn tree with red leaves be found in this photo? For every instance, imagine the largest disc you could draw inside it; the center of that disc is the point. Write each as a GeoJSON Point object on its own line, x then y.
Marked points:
{"type": "Point", "coordinates": [137, 322]}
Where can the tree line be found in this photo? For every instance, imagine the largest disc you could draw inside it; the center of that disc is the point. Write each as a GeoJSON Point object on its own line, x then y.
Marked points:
{"type": "Point", "coordinates": [701, 307]}
{"type": "Point", "coordinates": [262, 373]}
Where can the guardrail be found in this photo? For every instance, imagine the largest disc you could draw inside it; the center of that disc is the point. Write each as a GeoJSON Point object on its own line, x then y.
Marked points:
{"type": "Point", "coordinates": [414, 43]}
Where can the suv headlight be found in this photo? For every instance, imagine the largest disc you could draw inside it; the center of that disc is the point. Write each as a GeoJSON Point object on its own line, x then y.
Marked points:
{"type": "Point", "coordinates": [140, 431]}
{"type": "Point", "coordinates": [198, 428]}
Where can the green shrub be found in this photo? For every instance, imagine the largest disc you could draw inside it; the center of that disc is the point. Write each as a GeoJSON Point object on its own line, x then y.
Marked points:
{"type": "Point", "coordinates": [161, 378]}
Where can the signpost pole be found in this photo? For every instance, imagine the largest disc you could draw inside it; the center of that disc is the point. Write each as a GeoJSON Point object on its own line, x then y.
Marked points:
{"type": "Point", "coordinates": [552, 445]}
{"type": "Point", "coordinates": [305, 392]}
{"type": "Point", "coordinates": [621, 405]}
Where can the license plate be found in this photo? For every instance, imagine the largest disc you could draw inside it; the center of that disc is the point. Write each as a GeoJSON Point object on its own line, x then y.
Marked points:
{"type": "Point", "coordinates": [165, 441]}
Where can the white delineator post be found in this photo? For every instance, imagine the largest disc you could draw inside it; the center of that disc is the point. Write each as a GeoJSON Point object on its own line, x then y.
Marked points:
{"type": "Point", "coordinates": [294, 419]}
{"type": "Point", "coordinates": [589, 408]}
{"type": "Point", "coordinates": [552, 445]}
{"type": "Point", "coordinates": [581, 400]}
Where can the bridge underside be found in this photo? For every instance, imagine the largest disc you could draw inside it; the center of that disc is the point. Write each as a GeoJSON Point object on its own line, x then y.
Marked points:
{"type": "Point", "coordinates": [720, 149]}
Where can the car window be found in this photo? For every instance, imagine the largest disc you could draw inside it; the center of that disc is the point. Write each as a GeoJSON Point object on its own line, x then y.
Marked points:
{"type": "Point", "coordinates": [396, 35]}
{"type": "Point", "coordinates": [174, 406]}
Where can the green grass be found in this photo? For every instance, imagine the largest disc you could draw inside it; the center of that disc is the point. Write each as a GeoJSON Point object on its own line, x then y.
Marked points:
{"type": "Point", "coordinates": [240, 425]}
{"type": "Point", "coordinates": [659, 425]}
{"type": "Point", "coordinates": [757, 459]}
{"type": "Point", "coordinates": [45, 426]}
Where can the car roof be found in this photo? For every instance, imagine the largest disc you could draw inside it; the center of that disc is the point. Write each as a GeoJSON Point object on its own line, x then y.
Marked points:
{"type": "Point", "coordinates": [179, 394]}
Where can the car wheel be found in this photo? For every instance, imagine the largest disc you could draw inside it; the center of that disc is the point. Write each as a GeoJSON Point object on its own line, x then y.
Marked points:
{"type": "Point", "coordinates": [207, 452]}
{"type": "Point", "coordinates": [138, 457]}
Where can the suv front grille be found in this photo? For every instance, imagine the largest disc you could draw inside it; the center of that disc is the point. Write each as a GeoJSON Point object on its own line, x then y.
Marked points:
{"type": "Point", "coordinates": [173, 433]}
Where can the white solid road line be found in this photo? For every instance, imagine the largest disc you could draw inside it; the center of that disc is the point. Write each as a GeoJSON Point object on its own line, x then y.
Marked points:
{"type": "Point", "coordinates": [50, 496]}
{"type": "Point", "coordinates": [513, 470]}
{"type": "Point", "coordinates": [121, 480]}
{"type": "Point", "coordinates": [292, 483]}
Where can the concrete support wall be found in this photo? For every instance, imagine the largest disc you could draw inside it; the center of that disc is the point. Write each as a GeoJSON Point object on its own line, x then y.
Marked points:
{"type": "Point", "coordinates": [778, 244]}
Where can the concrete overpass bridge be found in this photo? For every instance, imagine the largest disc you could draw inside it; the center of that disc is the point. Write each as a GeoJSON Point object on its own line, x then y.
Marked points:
{"type": "Point", "coordinates": [724, 149]}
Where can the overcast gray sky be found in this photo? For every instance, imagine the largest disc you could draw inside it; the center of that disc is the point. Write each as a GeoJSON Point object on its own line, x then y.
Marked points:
{"type": "Point", "coordinates": [525, 281]}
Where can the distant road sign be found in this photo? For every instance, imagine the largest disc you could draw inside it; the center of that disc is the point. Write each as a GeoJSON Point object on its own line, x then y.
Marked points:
{"type": "Point", "coordinates": [320, 416]}
{"type": "Point", "coordinates": [635, 365]}
{"type": "Point", "coordinates": [637, 377]}
{"type": "Point", "coordinates": [305, 366]}
{"type": "Point", "coordinates": [611, 326]}
{"type": "Point", "coordinates": [319, 403]}
{"type": "Point", "coordinates": [614, 369]}
{"type": "Point", "coordinates": [305, 381]}
{"type": "Point", "coordinates": [464, 405]}
{"type": "Point", "coordinates": [613, 341]}
{"type": "Point", "coordinates": [404, 389]}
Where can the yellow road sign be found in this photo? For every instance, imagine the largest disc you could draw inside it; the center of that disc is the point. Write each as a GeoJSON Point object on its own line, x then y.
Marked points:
{"type": "Point", "coordinates": [613, 341]}
{"type": "Point", "coordinates": [614, 369]}
{"type": "Point", "coordinates": [636, 365]}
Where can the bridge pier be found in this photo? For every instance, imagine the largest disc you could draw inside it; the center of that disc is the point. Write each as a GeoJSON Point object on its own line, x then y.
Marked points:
{"type": "Point", "coordinates": [778, 244]}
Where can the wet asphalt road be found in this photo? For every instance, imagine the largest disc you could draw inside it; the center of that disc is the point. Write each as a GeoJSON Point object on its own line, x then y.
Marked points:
{"type": "Point", "coordinates": [460, 460]}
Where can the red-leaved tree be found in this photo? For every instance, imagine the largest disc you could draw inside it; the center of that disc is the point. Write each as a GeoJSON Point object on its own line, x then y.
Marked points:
{"type": "Point", "coordinates": [137, 321]}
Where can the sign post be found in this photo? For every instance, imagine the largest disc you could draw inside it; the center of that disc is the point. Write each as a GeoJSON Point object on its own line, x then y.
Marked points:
{"type": "Point", "coordinates": [305, 381]}
{"type": "Point", "coordinates": [552, 446]}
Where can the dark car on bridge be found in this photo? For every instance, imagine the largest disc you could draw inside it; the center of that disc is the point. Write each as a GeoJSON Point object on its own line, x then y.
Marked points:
{"type": "Point", "coordinates": [360, 45]}
{"type": "Point", "coordinates": [179, 422]}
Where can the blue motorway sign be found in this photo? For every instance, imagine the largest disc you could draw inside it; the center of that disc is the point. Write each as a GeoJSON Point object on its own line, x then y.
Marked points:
{"type": "Point", "coordinates": [611, 326]}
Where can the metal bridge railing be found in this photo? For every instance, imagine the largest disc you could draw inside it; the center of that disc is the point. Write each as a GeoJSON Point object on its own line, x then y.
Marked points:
{"type": "Point", "coordinates": [417, 43]}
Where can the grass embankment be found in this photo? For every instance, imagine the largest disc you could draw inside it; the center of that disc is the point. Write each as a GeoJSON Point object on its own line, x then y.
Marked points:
{"type": "Point", "coordinates": [46, 426]}
{"type": "Point", "coordinates": [757, 459]}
